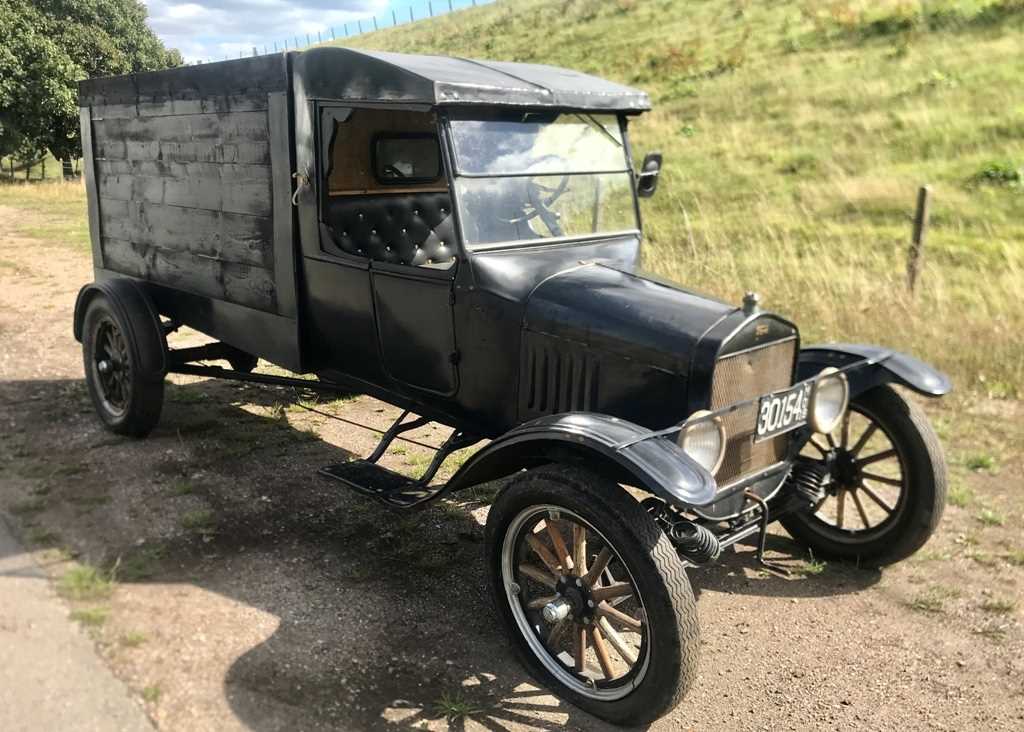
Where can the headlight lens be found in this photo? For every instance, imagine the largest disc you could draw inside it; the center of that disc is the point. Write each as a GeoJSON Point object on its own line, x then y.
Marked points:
{"type": "Point", "coordinates": [703, 439]}
{"type": "Point", "coordinates": [829, 399]}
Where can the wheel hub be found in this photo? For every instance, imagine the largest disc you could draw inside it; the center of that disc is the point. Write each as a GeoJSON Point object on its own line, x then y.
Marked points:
{"type": "Point", "coordinates": [845, 471]}
{"type": "Point", "coordinates": [575, 593]}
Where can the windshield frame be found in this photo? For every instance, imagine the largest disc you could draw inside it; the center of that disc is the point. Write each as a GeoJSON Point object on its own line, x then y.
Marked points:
{"type": "Point", "coordinates": [451, 169]}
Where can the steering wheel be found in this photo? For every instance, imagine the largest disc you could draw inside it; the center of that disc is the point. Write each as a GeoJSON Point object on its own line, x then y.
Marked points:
{"type": "Point", "coordinates": [540, 197]}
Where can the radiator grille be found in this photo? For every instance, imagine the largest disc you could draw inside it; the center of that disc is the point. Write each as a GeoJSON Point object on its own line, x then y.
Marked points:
{"type": "Point", "coordinates": [742, 376]}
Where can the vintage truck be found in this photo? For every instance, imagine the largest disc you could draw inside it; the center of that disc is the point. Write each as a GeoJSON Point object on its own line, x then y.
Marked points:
{"type": "Point", "coordinates": [462, 239]}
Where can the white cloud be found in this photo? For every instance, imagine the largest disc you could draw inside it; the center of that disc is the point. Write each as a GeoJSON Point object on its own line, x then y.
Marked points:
{"type": "Point", "coordinates": [205, 30]}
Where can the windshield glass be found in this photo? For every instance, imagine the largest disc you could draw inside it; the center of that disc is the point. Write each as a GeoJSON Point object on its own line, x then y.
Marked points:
{"type": "Point", "coordinates": [522, 177]}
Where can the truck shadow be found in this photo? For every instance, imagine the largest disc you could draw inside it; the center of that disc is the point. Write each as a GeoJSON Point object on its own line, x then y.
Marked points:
{"type": "Point", "coordinates": [384, 619]}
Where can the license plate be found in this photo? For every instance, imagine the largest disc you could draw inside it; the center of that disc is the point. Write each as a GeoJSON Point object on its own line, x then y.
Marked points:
{"type": "Point", "coordinates": [782, 412]}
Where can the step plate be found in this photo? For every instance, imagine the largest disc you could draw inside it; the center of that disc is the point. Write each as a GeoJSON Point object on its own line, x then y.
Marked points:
{"type": "Point", "coordinates": [385, 485]}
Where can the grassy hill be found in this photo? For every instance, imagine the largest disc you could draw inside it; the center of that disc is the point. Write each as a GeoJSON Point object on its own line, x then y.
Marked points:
{"type": "Point", "coordinates": [796, 134]}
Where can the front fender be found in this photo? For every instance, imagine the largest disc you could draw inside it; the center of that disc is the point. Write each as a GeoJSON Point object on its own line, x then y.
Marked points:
{"type": "Point", "coordinates": [883, 366]}
{"type": "Point", "coordinates": [615, 446]}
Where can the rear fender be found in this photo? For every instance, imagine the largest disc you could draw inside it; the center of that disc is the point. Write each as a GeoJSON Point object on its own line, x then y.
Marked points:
{"type": "Point", "coordinates": [623, 451]}
{"type": "Point", "coordinates": [134, 308]}
{"type": "Point", "coordinates": [884, 366]}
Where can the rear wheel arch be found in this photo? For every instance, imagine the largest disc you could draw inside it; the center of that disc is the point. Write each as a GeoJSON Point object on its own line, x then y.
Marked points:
{"type": "Point", "coordinates": [138, 313]}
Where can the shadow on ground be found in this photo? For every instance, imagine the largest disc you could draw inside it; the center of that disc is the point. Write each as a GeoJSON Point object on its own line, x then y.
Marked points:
{"type": "Point", "coordinates": [381, 614]}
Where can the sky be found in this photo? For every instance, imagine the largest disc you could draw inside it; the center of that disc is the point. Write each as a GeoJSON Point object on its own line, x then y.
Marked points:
{"type": "Point", "coordinates": [209, 30]}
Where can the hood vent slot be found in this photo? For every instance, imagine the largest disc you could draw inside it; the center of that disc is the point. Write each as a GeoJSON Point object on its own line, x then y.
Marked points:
{"type": "Point", "coordinates": [556, 378]}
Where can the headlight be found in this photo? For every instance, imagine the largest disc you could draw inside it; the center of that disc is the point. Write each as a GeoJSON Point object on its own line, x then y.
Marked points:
{"type": "Point", "coordinates": [703, 439]}
{"type": "Point", "coordinates": [829, 399]}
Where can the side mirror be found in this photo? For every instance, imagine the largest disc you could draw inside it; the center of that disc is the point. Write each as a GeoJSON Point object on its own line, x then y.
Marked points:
{"type": "Point", "coordinates": [647, 178]}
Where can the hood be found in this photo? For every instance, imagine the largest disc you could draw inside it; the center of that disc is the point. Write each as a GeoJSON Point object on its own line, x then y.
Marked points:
{"type": "Point", "coordinates": [634, 316]}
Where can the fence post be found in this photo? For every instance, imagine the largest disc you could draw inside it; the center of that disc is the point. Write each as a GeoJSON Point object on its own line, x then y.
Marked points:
{"type": "Point", "coordinates": [920, 233]}
{"type": "Point", "coordinates": [255, 52]}
{"type": "Point", "coordinates": [359, 25]}
{"type": "Point", "coordinates": [430, 5]}
{"type": "Point", "coordinates": [333, 37]}
{"type": "Point", "coordinates": [375, 22]}
{"type": "Point", "coordinates": [43, 175]}
{"type": "Point", "coordinates": [411, 18]}
{"type": "Point", "coordinates": [318, 38]}
{"type": "Point", "coordinates": [449, 6]}
{"type": "Point", "coordinates": [394, 18]}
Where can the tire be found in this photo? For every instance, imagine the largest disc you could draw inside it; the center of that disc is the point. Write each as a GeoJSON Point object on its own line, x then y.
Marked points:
{"type": "Point", "coordinates": [133, 407]}
{"type": "Point", "coordinates": [667, 657]}
{"type": "Point", "coordinates": [922, 496]}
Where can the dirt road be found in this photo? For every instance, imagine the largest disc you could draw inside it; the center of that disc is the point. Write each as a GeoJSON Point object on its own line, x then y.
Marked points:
{"type": "Point", "coordinates": [251, 594]}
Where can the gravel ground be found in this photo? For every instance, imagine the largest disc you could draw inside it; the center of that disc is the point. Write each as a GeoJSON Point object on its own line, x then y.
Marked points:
{"type": "Point", "coordinates": [253, 594]}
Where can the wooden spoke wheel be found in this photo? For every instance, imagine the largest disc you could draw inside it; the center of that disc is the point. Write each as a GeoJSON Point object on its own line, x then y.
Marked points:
{"type": "Point", "coordinates": [576, 601]}
{"type": "Point", "coordinates": [593, 593]}
{"type": "Point", "coordinates": [886, 487]}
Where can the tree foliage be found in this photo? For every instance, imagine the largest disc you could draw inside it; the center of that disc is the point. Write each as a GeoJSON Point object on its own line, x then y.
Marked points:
{"type": "Point", "coordinates": [47, 47]}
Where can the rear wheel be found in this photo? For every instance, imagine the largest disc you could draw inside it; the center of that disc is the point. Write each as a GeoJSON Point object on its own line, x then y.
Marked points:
{"type": "Point", "coordinates": [887, 487]}
{"type": "Point", "coordinates": [127, 401]}
{"type": "Point", "coordinates": [593, 594]}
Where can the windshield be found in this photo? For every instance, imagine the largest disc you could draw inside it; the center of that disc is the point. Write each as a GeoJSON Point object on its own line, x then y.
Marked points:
{"type": "Point", "coordinates": [524, 177]}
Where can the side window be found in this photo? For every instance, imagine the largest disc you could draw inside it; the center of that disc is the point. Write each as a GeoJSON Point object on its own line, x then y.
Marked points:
{"type": "Point", "coordinates": [401, 159]}
{"type": "Point", "coordinates": [385, 195]}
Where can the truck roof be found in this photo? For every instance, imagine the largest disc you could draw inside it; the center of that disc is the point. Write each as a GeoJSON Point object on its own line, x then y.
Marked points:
{"type": "Point", "coordinates": [347, 74]}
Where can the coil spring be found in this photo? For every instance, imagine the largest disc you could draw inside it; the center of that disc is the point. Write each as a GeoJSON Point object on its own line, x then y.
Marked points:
{"type": "Point", "coordinates": [808, 478]}
{"type": "Point", "coordinates": [694, 542]}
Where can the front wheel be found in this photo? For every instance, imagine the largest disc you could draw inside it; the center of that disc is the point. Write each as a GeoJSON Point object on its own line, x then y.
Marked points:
{"type": "Point", "coordinates": [593, 594]}
{"type": "Point", "coordinates": [887, 486]}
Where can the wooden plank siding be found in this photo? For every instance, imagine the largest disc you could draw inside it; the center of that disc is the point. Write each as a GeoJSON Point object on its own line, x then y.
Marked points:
{"type": "Point", "coordinates": [236, 283]}
{"type": "Point", "coordinates": [184, 184]}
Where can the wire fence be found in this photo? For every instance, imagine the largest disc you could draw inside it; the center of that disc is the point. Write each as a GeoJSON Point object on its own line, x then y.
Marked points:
{"type": "Point", "coordinates": [393, 18]}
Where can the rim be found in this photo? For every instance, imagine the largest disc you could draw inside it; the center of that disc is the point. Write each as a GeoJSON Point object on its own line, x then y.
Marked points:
{"type": "Point", "coordinates": [868, 484]}
{"type": "Point", "coordinates": [575, 602]}
{"type": "Point", "coordinates": [111, 367]}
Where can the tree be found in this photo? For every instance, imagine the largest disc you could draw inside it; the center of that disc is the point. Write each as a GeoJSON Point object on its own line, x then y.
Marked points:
{"type": "Point", "coordinates": [47, 47]}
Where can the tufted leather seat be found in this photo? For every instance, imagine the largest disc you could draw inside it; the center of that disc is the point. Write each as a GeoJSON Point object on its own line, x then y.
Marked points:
{"type": "Point", "coordinates": [414, 229]}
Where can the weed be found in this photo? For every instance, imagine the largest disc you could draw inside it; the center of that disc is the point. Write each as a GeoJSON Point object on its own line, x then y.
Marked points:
{"type": "Point", "coordinates": [932, 600]}
{"type": "Point", "coordinates": [29, 506]}
{"type": "Point", "coordinates": [151, 694]}
{"type": "Point", "coordinates": [182, 488]}
{"type": "Point", "coordinates": [92, 617]}
{"type": "Point", "coordinates": [999, 606]}
{"type": "Point", "coordinates": [43, 537]}
{"type": "Point", "coordinates": [812, 566]}
{"type": "Point", "coordinates": [990, 517]}
{"type": "Point", "coordinates": [999, 173]}
{"type": "Point", "coordinates": [85, 582]}
{"type": "Point", "coordinates": [132, 639]}
{"type": "Point", "coordinates": [959, 494]}
{"type": "Point", "coordinates": [980, 461]}
{"type": "Point", "coordinates": [200, 520]}
{"type": "Point", "coordinates": [140, 564]}
{"type": "Point", "coordinates": [455, 706]}
{"type": "Point", "coordinates": [1016, 557]}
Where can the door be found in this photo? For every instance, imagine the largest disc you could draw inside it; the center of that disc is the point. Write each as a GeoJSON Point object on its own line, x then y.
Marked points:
{"type": "Point", "coordinates": [381, 282]}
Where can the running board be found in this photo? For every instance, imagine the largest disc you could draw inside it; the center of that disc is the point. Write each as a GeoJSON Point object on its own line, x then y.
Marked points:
{"type": "Point", "coordinates": [387, 486]}
{"type": "Point", "coordinates": [395, 489]}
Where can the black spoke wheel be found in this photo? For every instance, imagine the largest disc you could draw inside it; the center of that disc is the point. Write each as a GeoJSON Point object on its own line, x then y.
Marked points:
{"type": "Point", "coordinates": [887, 483]}
{"type": "Point", "coordinates": [127, 401]}
{"type": "Point", "coordinates": [593, 594]}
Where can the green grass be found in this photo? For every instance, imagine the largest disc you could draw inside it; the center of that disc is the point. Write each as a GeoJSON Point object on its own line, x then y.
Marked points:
{"type": "Point", "coordinates": [200, 520]}
{"type": "Point", "coordinates": [92, 617]}
{"type": "Point", "coordinates": [132, 639]}
{"type": "Point", "coordinates": [999, 606]}
{"type": "Point", "coordinates": [795, 136]}
{"type": "Point", "coordinates": [980, 461]}
{"type": "Point", "coordinates": [455, 706]}
{"type": "Point", "coordinates": [990, 517]}
{"type": "Point", "coordinates": [151, 693]}
{"type": "Point", "coordinates": [933, 600]}
{"type": "Point", "coordinates": [960, 494]}
{"type": "Point", "coordinates": [85, 582]}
